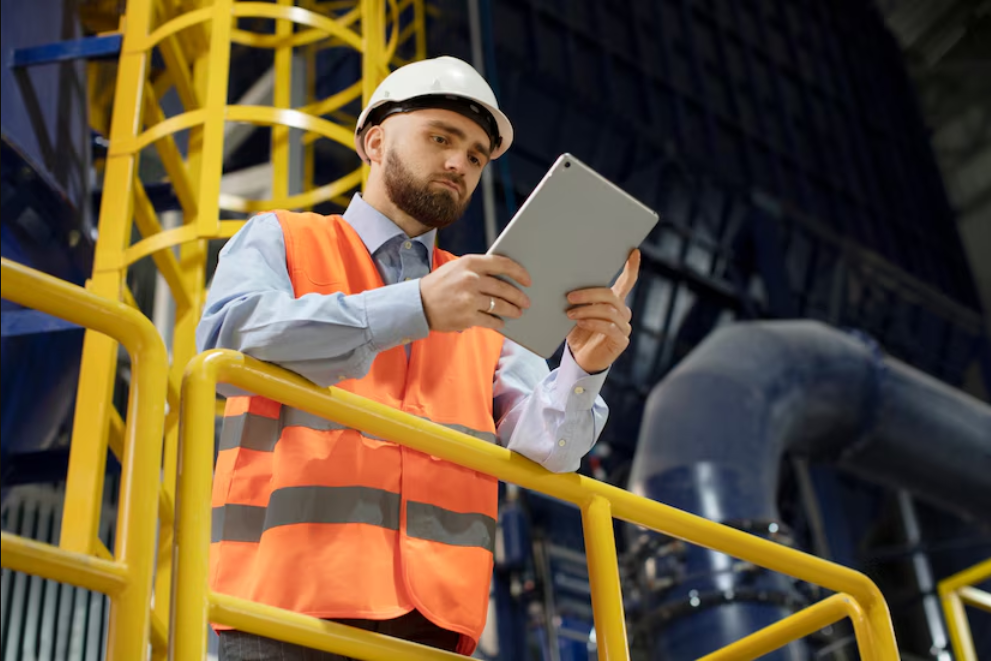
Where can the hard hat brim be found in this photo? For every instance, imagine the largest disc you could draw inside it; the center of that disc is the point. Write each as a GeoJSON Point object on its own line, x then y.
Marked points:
{"type": "Point", "coordinates": [502, 122]}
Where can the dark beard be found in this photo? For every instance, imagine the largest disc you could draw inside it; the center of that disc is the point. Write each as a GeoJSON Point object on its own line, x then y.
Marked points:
{"type": "Point", "coordinates": [436, 209]}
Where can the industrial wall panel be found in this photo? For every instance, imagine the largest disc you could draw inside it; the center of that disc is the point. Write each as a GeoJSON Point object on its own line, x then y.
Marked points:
{"type": "Point", "coordinates": [807, 101]}
{"type": "Point", "coordinates": [45, 109]}
{"type": "Point", "coordinates": [802, 104]}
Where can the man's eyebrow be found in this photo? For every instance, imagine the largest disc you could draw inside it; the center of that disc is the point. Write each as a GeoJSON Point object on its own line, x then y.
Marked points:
{"type": "Point", "coordinates": [458, 133]}
{"type": "Point", "coordinates": [483, 150]}
{"type": "Point", "coordinates": [444, 126]}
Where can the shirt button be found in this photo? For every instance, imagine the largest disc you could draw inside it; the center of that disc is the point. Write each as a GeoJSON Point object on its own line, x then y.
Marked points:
{"type": "Point", "coordinates": [408, 245]}
{"type": "Point", "coordinates": [579, 390]}
{"type": "Point", "coordinates": [562, 443]}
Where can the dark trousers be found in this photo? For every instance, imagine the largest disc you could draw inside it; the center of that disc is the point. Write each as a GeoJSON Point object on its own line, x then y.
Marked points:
{"type": "Point", "coordinates": [240, 646]}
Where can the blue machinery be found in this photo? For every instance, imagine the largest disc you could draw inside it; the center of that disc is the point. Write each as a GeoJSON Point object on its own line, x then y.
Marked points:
{"type": "Point", "coordinates": [793, 388]}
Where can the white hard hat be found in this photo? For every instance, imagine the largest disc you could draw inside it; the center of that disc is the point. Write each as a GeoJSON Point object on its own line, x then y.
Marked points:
{"type": "Point", "coordinates": [443, 82]}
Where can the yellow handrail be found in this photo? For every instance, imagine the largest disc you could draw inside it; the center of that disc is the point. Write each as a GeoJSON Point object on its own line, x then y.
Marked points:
{"type": "Point", "coordinates": [599, 502]}
{"type": "Point", "coordinates": [126, 579]}
{"type": "Point", "coordinates": [801, 624]}
{"type": "Point", "coordinates": [956, 592]}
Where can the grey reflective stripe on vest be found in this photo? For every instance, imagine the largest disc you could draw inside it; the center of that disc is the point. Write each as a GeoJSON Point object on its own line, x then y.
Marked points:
{"type": "Point", "coordinates": [250, 431]}
{"type": "Point", "coordinates": [237, 523]}
{"type": "Point", "coordinates": [291, 417]}
{"type": "Point", "coordinates": [436, 524]}
{"type": "Point", "coordinates": [377, 507]}
{"type": "Point", "coordinates": [291, 505]}
{"type": "Point", "coordinates": [486, 436]}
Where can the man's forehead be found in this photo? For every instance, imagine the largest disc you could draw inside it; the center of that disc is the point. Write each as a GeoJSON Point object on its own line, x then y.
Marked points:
{"type": "Point", "coordinates": [438, 118]}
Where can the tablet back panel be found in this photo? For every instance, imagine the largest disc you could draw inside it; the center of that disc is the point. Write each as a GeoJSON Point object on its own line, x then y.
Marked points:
{"type": "Point", "coordinates": [574, 231]}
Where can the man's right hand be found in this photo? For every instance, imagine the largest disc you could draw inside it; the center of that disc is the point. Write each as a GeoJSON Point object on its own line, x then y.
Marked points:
{"type": "Point", "coordinates": [459, 294]}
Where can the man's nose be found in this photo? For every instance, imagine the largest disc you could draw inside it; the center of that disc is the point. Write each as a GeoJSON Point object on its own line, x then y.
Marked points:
{"type": "Point", "coordinates": [457, 162]}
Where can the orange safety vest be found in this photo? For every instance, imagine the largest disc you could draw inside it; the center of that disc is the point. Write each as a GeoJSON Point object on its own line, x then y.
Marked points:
{"type": "Point", "coordinates": [320, 519]}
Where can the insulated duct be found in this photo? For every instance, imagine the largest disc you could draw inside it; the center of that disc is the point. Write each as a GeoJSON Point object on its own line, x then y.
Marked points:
{"type": "Point", "coordinates": [716, 429]}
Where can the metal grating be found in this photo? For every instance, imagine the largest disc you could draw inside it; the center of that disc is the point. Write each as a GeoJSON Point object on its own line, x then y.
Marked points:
{"type": "Point", "coordinates": [44, 620]}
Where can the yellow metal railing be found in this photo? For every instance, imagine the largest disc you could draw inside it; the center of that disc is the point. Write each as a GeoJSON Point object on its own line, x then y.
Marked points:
{"type": "Point", "coordinates": [127, 577]}
{"type": "Point", "coordinates": [956, 592]}
{"type": "Point", "coordinates": [858, 598]}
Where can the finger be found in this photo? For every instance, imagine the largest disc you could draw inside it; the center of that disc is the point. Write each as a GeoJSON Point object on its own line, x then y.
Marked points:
{"type": "Point", "coordinates": [595, 295]}
{"type": "Point", "coordinates": [499, 265]}
{"type": "Point", "coordinates": [628, 278]}
{"type": "Point", "coordinates": [502, 307]}
{"type": "Point", "coordinates": [500, 289]}
{"type": "Point", "coordinates": [601, 312]}
{"type": "Point", "coordinates": [595, 311]}
{"type": "Point", "coordinates": [487, 321]}
{"type": "Point", "coordinates": [607, 328]}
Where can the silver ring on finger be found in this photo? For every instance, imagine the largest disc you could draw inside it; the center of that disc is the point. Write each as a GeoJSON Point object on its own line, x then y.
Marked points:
{"type": "Point", "coordinates": [491, 305]}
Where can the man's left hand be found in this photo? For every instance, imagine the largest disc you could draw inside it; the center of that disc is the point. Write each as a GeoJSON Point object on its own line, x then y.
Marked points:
{"type": "Point", "coordinates": [603, 329]}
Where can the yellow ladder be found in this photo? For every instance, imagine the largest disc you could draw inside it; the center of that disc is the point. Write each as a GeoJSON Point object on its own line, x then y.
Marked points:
{"type": "Point", "coordinates": [194, 38]}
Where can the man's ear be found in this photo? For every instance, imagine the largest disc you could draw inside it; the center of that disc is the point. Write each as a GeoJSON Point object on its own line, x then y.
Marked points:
{"type": "Point", "coordinates": [375, 143]}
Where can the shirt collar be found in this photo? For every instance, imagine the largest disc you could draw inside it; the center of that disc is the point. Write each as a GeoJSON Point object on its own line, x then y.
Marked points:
{"type": "Point", "coordinates": [375, 229]}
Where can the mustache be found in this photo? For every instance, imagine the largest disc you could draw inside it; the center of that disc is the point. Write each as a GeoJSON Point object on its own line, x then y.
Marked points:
{"type": "Point", "coordinates": [456, 179]}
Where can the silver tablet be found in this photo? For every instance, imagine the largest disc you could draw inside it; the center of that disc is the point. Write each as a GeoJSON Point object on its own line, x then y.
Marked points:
{"type": "Point", "coordinates": [575, 231]}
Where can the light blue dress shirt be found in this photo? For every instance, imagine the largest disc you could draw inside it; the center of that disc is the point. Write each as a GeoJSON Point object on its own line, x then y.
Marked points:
{"type": "Point", "coordinates": [553, 418]}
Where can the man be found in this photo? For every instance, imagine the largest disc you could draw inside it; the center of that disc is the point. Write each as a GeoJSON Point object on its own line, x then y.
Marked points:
{"type": "Point", "coordinates": [324, 520]}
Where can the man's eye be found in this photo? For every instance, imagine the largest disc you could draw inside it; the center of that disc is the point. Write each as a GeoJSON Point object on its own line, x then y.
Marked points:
{"type": "Point", "coordinates": [475, 160]}
{"type": "Point", "coordinates": [439, 139]}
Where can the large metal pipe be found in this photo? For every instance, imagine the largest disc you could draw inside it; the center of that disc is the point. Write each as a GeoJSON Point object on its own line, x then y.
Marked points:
{"type": "Point", "coordinates": [716, 429]}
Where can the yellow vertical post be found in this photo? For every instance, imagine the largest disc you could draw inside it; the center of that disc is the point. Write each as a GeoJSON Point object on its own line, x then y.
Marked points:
{"type": "Point", "coordinates": [187, 638]}
{"type": "Point", "coordinates": [420, 29]}
{"type": "Point", "coordinates": [129, 624]}
{"type": "Point", "coordinates": [373, 47]}
{"type": "Point", "coordinates": [309, 150]}
{"type": "Point", "coordinates": [193, 261]}
{"type": "Point", "coordinates": [190, 565]}
{"type": "Point", "coordinates": [90, 426]}
{"type": "Point", "coordinates": [870, 641]}
{"type": "Point", "coordinates": [163, 569]}
{"type": "Point", "coordinates": [961, 636]}
{"type": "Point", "coordinates": [98, 370]}
{"type": "Point", "coordinates": [205, 164]}
{"type": "Point", "coordinates": [282, 98]}
{"type": "Point", "coordinates": [218, 59]}
{"type": "Point", "coordinates": [881, 645]}
{"type": "Point", "coordinates": [603, 577]}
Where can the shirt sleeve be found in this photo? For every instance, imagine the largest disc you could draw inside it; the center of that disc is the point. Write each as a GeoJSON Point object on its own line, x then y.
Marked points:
{"type": "Point", "coordinates": [251, 308]}
{"type": "Point", "coordinates": [552, 418]}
